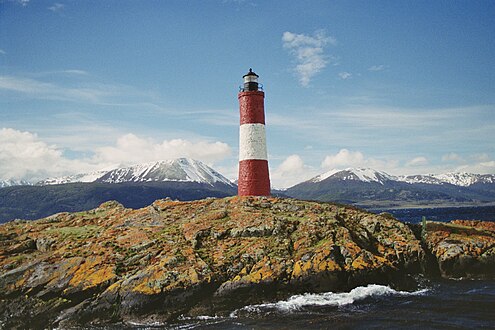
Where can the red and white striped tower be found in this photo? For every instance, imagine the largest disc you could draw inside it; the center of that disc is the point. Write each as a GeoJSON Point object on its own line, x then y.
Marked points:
{"type": "Point", "coordinates": [254, 179]}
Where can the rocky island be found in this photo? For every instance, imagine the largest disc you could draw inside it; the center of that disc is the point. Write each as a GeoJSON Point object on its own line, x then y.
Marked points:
{"type": "Point", "coordinates": [207, 257]}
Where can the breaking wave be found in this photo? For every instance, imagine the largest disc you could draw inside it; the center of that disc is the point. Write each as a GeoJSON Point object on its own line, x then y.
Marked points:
{"type": "Point", "coordinates": [299, 302]}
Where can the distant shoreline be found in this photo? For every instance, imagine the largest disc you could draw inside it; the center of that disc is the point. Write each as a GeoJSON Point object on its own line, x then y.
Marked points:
{"type": "Point", "coordinates": [422, 206]}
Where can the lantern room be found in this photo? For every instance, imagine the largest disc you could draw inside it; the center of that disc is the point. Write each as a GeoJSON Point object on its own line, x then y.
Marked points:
{"type": "Point", "coordinates": [251, 82]}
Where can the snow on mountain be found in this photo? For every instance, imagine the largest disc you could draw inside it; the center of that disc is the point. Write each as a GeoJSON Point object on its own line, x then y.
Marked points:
{"type": "Point", "coordinates": [182, 169]}
{"type": "Point", "coordinates": [462, 179]}
{"type": "Point", "coordinates": [357, 174]}
{"type": "Point", "coordinates": [10, 183]}
{"type": "Point", "coordinates": [370, 175]}
{"type": "Point", "coordinates": [324, 176]}
{"type": "Point", "coordinates": [85, 177]}
{"type": "Point", "coordinates": [427, 179]}
{"type": "Point", "coordinates": [466, 179]}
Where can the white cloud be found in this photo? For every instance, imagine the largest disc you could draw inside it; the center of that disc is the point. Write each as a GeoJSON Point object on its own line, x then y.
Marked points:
{"type": "Point", "coordinates": [76, 72]}
{"type": "Point", "coordinates": [418, 165]}
{"type": "Point", "coordinates": [344, 158]}
{"type": "Point", "coordinates": [475, 163]}
{"type": "Point", "coordinates": [376, 68]}
{"type": "Point", "coordinates": [452, 157]}
{"type": "Point", "coordinates": [487, 167]}
{"type": "Point", "coordinates": [56, 73]}
{"type": "Point", "coordinates": [230, 171]}
{"type": "Point", "coordinates": [45, 90]}
{"type": "Point", "coordinates": [223, 117]}
{"type": "Point", "coordinates": [131, 149]}
{"type": "Point", "coordinates": [290, 172]}
{"type": "Point", "coordinates": [345, 75]}
{"type": "Point", "coordinates": [241, 3]}
{"type": "Point", "coordinates": [294, 122]}
{"type": "Point", "coordinates": [417, 161]}
{"type": "Point", "coordinates": [3, 52]}
{"type": "Point", "coordinates": [483, 157]}
{"type": "Point", "coordinates": [23, 155]}
{"type": "Point", "coordinates": [78, 89]}
{"type": "Point", "coordinates": [308, 52]}
{"type": "Point", "coordinates": [57, 7]}
{"type": "Point", "coordinates": [23, 3]}
{"type": "Point", "coordinates": [367, 116]}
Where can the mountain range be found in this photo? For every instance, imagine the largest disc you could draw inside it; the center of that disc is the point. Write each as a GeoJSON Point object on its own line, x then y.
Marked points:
{"type": "Point", "coordinates": [134, 186]}
{"type": "Point", "coordinates": [175, 170]}
{"type": "Point", "coordinates": [371, 188]}
{"type": "Point", "coordinates": [190, 170]}
{"type": "Point", "coordinates": [462, 179]}
{"type": "Point", "coordinates": [188, 179]}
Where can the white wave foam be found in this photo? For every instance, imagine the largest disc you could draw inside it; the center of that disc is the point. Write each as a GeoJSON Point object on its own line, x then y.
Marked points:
{"type": "Point", "coordinates": [199, 317]}
{"type": "Point", "coordinates": [144, 325]}
{"type": "Point", "coordinates": [328, 299]}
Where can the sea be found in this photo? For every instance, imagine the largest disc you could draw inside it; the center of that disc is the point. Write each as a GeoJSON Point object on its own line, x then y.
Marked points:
{"type": "Point", "coordinates": [443, 214]}
{"type": "Point", "coordinates": [434, 304]}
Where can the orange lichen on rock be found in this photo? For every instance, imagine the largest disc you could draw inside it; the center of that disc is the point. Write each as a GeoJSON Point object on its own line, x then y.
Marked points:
{"type": "Point", "coordinates": [462, 247]}
{"type": "Point", "coordinates": [153, 283]}
{"type": "Point", "coordinates": [264, 270]}
{"type": "Point", "coordinates": [91, 273]}
{"type": "Point", "coordinates": [484, 225]}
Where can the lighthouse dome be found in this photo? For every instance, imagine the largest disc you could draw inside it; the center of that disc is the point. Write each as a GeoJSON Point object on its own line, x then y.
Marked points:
{"type": "Point", "coordinates": [250, 73]}
{"type": "Point", "coordinates": [250, 81]}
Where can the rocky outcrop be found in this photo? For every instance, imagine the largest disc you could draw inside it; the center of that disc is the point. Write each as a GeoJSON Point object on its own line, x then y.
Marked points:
{"type": "Point", "coordinates": [462, 248]}
{"type": "Point", "coordinates": [174, 258]}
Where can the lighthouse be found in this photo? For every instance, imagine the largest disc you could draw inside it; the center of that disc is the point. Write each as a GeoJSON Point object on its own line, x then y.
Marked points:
{"type": "Point", "coordinates": [254, 179]}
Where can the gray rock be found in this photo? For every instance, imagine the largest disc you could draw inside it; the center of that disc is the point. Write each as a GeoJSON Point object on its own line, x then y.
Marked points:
{"type": "Point", "coordinates": [44, 244]}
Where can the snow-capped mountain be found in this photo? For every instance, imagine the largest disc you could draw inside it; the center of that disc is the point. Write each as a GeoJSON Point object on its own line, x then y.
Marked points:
{"type": "Point", "coordinates": [85, 177]}
{"type": "Point", "coordinates": [182, 170]}
{"type": "Point", "coordinates": [177, 170]}
{"type": "Point", "coordinates": [371, 187]}
{"type": "Point", "coordinates": [357, 174]}
{"type": "Point", "coordinates": [420, 178]}
{"type": "Point", "coordinates": [462, 179]}
{"type": "Point", "coordinates": [457, 179]}
{"type": "Point", "coordinates": [10, 183]}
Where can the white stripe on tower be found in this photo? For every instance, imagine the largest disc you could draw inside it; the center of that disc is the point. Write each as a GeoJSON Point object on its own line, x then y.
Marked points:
{"type": "Point", "coordinates": [252, 140]}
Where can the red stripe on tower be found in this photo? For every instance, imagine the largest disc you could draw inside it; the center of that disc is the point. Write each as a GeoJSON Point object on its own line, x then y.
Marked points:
{"type": "Point", "coordinates": [254, 179]}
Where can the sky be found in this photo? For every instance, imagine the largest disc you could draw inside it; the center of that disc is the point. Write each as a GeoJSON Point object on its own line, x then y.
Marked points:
{"type": "Point", "coordinates": [405, 87]}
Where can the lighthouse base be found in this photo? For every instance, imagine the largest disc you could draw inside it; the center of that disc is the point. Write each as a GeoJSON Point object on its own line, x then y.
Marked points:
{"type": "Point", "coordinates": [254, 179]}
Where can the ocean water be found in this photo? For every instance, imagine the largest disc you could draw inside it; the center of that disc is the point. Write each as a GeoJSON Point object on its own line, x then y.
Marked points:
{"type": "Point", "coordinates": [444, 214]}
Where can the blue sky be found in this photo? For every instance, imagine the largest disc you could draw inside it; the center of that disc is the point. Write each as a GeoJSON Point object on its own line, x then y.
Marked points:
{"type": "Point", "coordinates": [406, 87]}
